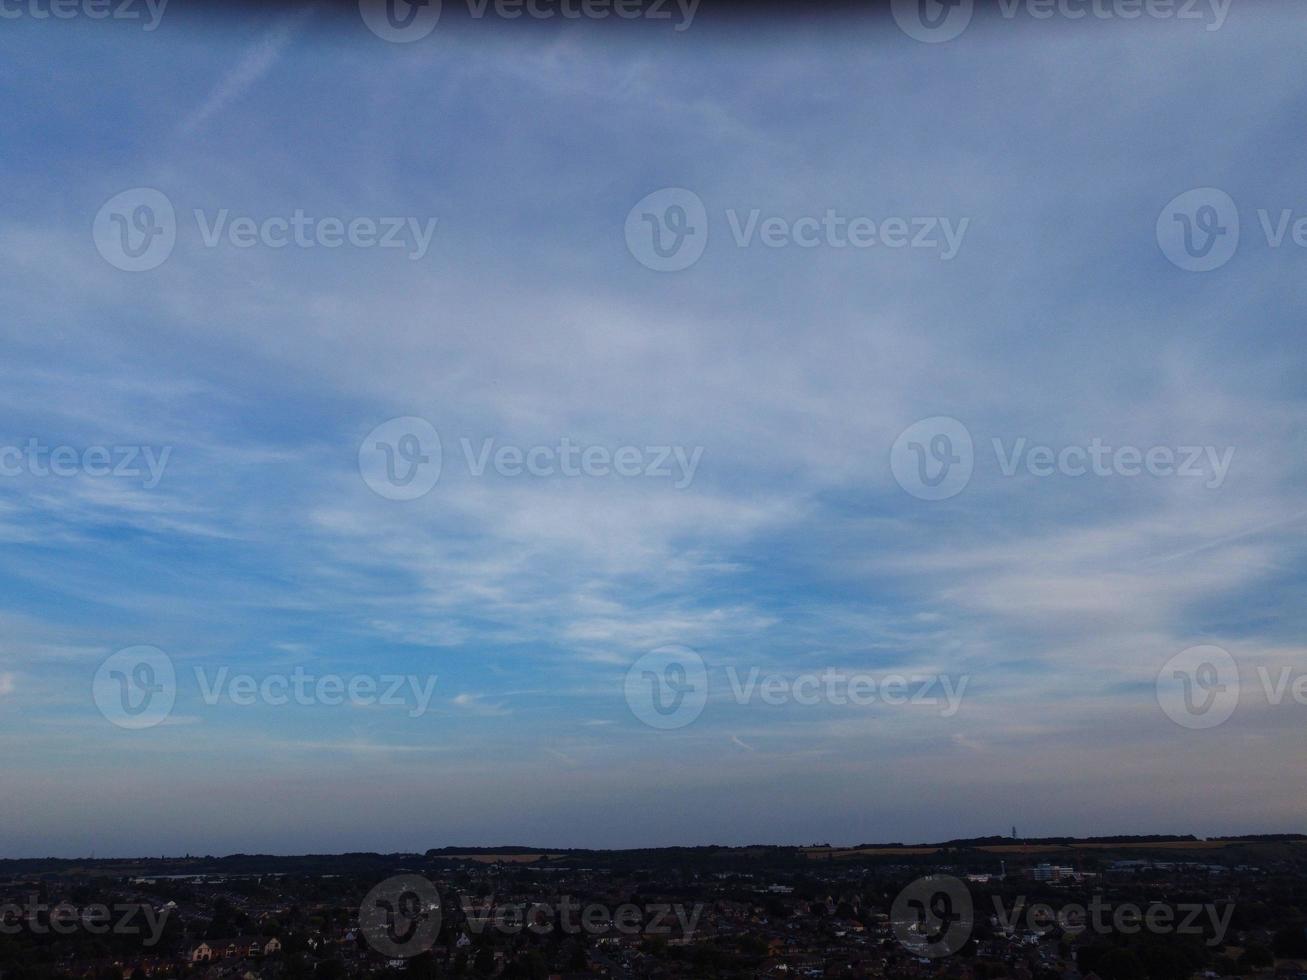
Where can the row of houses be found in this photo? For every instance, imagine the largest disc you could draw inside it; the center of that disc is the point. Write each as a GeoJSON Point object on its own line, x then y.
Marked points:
{"type": "Point", "coordinates": [244, 947]}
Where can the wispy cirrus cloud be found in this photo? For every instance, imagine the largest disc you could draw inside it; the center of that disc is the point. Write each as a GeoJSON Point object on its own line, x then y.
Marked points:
{"type": "Point", "coordinates": [253, 64]}
{"type": "Point", "coordinates": [792, 550]}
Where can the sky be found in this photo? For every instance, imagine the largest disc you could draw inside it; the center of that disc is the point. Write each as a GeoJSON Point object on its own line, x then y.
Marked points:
{"type": "Point", "coordinates": [838, 417]}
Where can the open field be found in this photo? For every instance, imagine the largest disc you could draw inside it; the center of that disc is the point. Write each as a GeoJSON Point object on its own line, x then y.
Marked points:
{"type": "Point", "coordinates": [504, 858]}
{"type": "Point", "coordinates": [1016, 849]}
{"type": "Point", "coordinates": [1181, 845]}
{"type": "Point", "coordinates": [837, 853]}
{"type": "Point", "coordinates": [1248, 850]}
{"type": "Point", "coordinates": [1026, 848]}
{"type": "Point", "coordinates": [1170, 845]}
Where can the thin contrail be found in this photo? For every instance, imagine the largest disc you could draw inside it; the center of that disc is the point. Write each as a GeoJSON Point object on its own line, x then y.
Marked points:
{"type": "Point", "coordinates": [253, 65]}
{"type": "Point", "coordinates": [1247, 532]}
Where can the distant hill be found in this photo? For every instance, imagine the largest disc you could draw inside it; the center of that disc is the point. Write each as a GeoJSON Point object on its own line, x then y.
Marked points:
{"type": "Point", "coordinates": [716, 857]}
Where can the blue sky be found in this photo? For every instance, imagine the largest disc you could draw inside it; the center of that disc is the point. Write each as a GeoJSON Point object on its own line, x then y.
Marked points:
{"type": "Point", "coordinates": [528, 320]}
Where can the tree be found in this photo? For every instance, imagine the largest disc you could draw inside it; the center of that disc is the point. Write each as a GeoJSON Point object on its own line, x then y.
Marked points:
{"type": "Point", "coordinates": [1121, 964]}
{"type": "Point", "coordinates": [332, 969]}
{"type": "Point", "coordinates": [1291, 941]}
{"type": "Point", "coordinates": [1255, 957]}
